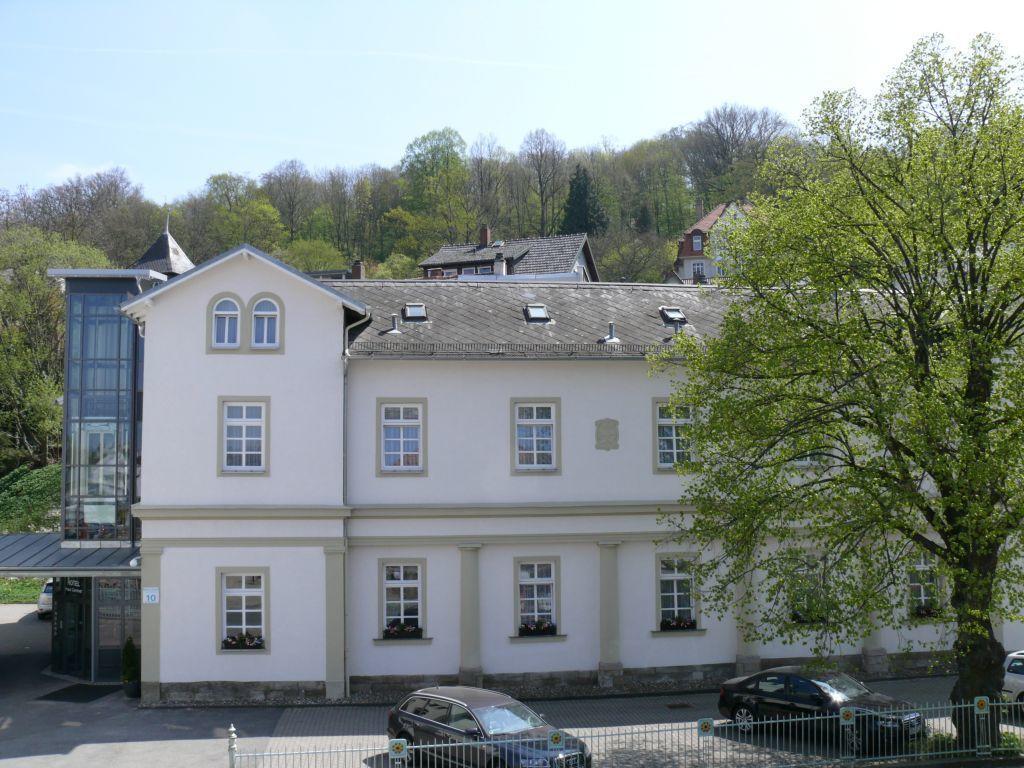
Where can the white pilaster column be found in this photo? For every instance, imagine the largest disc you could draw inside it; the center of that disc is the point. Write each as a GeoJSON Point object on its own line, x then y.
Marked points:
{"type": "Point", "coordinates": [748, 658]}
{"type": "Point", "coordinates": [874, 657]}
{"type": "Point", "coordinates": [335, 679]}
{"type": "Point", "coordinates": [609, 667]}
{"type": "Point", "coordinates": [150, 625]}
{"type": "Point", "coordinates": [470, 667]}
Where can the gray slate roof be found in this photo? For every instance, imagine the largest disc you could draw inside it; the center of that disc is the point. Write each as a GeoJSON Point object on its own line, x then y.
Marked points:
{"type": "Point", "coordinates": [41, 553]}
{"type": "Point", "coordinates": [486, 319]}
{"type": "Point", "coordinates": [528, 256]}
{"type": "Point", "coordinates": [166, 256]}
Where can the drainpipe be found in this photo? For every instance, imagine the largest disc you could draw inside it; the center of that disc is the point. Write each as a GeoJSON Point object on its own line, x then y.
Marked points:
{"type": "Point", "coordinates": [344, 474]}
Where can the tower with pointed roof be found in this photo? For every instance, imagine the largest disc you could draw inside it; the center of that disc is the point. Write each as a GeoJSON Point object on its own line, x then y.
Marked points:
{"type": "Point", "coordinates": [165, 255]}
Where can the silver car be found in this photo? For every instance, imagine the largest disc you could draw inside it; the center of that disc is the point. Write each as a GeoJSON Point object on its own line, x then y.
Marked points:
{"type": "Point", "coordinates": [44, 605]}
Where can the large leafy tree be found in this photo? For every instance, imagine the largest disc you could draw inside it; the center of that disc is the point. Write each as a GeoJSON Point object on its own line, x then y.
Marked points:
{"type": "Point", "coordinates": [31, 341]}
{"type": "Point", "coordinates": [861, 405]}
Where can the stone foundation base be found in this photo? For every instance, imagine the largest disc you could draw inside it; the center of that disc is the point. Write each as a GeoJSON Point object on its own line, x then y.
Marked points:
{"type": "Point", "coordinates": [473, 677]}
{"type": "Point", "coordinates": [228, 691]}
{"type": "Point", "coordinates": [609, 675]}
{"type": "Point", "coordinates": [747, 664]}
{"type": "Point", "coordinates": [875, 662]}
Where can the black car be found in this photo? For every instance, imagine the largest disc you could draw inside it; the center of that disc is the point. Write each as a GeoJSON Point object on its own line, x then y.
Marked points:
{"type": "Point", "coordinates": [476, 727]}
{"type": "Point", "coordinates": [792, 692]}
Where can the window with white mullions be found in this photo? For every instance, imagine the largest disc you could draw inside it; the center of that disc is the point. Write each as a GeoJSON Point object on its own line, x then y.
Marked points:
{"type": "Point", "coordinates": [244, 432]}
{"type": "Point", "coordinates": [537, 592]}
{"type": "Point", "coordinates": [535, 436]}
{"type": "Point", "coordinates": [401, 437]}
{"type": "Point", "coordinates": [403, 592]}
{"type": "Point", "coordinates": [243, 608]}
{"type": "Point", "coordinates": [225, 324]}
{"type": "Point", "coordinates": [673, 444]}
{"type": "Point", "coordinates": [675, 581]}
{"type": "Point", "coordinates": [266, 316]}
{"type": "Point", "coordinates": [923, 583]}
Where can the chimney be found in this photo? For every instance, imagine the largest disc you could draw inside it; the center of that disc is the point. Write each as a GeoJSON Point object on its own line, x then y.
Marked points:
{"type": "Point", "coordinates": [485, 237]}
{"type": "Point", "coordinates": [611, 338]}
{"type": "Point", "coordinates": [357, 269]}
{"type": "Point", "coordinates": [500, 267]}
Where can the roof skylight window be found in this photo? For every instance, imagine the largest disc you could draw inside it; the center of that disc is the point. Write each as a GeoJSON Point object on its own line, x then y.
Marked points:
{"type": "Point", "coordinates": [537, 313]}
{"type": "Point", "coordinates": [672, 315]}
{"type": "Point", "coordinates": [414, 312]}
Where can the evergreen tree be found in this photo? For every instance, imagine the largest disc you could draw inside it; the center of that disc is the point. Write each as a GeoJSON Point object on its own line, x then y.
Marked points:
{"type": "Point", "coordinates": [583, 209]}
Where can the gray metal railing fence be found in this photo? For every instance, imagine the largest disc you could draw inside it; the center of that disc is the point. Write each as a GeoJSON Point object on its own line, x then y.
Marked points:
{"type": "Point", "coordinates": [898, 736]}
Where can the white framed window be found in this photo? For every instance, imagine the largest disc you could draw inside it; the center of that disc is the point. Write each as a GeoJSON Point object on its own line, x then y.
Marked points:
{"type": "Point", "coordinates": [402, 600]}
{"type": "Point", "coordinates": [536, 596]}
{"type": "Point", "coordinates": [537, 313]}
{"type": "Point", "coordinates": [698, 270]}
{"type": "Point", "coordinates": [469, 270]}
{"type": "Point", "coordinates": [401, 437]}
{"type": "Point", "coordinates": [488, 270]}
{"type": "Point", "coordinates": [225, 324]}
{"type": "Point", "coordinates": [698, 243]}
{"type": "Point", "coordinates": [244, 437]}
{"type": "Point", "coordinates": [243, 610]}
{"type": "Point", "coordinates": [535, 436]}
{"type": "Point", "coordinates": [450, 273]}
{"type": "Point", "coordinates": [923, 584]}
{"type": "Point", "coordinates": [676, 604]}
{"type": "Point", "coordinates": [671, 444]}
{"type": "Point", "coordinates": [266, 323]}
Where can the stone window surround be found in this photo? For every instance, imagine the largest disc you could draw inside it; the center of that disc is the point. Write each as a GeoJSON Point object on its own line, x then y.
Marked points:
{"type": "Point", "coordinates": [245, 310]}
{"type": "Point", "coordinates": [694, 597]}
{"type": "Point", "coordinates": [223, 400]}
{"type": "Point", "coordinates": [556, 404]}
{"type": "Point", "coordinates": [422, 563]}
{"type": "Point", "coordinates": [238, 570]}
{"type": "Point", "coordinates": [379, 421]}
{"type": "Point", "coordinates": [556, 573]}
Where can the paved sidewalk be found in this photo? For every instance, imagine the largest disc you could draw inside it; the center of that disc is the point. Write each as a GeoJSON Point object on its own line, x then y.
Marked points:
{"type": "Point", "coordinates": [113, 732]}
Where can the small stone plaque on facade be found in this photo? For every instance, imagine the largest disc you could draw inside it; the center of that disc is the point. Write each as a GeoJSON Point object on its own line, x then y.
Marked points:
{"type": "Point", "coordinates": [606, 434]}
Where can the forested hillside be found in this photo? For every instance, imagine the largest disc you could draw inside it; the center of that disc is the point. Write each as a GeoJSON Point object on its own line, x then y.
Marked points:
{"type": "Point", "coordinates": [633, 201]}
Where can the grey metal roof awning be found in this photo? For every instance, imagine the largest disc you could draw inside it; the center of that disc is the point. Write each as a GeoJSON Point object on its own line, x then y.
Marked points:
{"type": "Point", "coordinates": [40, 554]}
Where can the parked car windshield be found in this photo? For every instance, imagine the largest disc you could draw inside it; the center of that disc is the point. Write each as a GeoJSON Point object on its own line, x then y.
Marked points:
{"type": "Point", "coordinates": [839, 686]}
{"type": "Point", "coordinates": [507, 718]}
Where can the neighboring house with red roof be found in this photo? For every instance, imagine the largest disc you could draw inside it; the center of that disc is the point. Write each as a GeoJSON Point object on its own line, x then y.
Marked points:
{"type": "Point", "coordinates": [694, 263]}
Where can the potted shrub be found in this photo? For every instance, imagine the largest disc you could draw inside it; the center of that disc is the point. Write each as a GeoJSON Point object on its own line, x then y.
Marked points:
{"type": "Point", "coordinates": [242, 642]}
{"type": "Point", "coordinates": [131, 670]}
{"type": "Point", "coordinates": [397, 630]}
{"type": "Point", "coordinates": [537, 628]}
{"type": "Point", "coordinates": [678, 624]}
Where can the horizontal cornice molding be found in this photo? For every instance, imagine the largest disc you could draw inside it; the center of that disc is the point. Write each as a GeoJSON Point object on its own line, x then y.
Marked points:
{"type": "Point", "coordinates": [334, 544]}
{"type": "Point", "coordinates": [528, 509]}
{"type": "Point", "coordinates": [510, 538]}
{"type": "Point", "coordinates": [239, 512]}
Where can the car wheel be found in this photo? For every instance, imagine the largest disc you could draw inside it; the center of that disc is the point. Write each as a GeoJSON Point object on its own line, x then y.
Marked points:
{"type": "Point", "coordinates": [744, 718]}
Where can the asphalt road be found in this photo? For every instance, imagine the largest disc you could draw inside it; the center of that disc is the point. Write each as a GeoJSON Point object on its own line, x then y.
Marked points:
{"type": "Point", "coordinates": [113, 732]}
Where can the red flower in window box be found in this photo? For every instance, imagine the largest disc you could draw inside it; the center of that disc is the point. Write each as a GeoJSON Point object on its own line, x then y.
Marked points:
{"type": "Point", "coordinates": [537, 628]}
{"type": "Point", "coordinates": [678, 624]}
{"type": "Point", "coordinates": [398, 630]}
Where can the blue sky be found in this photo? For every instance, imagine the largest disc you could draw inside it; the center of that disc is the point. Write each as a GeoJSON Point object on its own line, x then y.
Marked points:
{"type": "Point", "coordinates": [178, 90]}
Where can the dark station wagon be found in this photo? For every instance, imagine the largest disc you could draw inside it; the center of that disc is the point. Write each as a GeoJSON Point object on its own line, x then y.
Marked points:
{"type": "Point", "coordinates": [477, 727]}
{"type": "Point", "coordinates": [803, 692]}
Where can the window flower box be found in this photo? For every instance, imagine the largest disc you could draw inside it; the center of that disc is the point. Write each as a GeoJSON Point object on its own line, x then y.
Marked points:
{"type": "Point", "coordinates": [244, 642]}
{"type": "Point", "coordinates": [397, 630]}
{"type": "Point", "coordinates": [925, 611]}
{"type": "Point", "coordinates": [678, 624]}
{"type": "Point", "coordinates": [537, 629]}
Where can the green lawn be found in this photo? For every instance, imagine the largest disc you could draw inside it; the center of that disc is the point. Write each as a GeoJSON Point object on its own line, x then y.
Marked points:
{"type": "Point", "coordinates": [20, 590]}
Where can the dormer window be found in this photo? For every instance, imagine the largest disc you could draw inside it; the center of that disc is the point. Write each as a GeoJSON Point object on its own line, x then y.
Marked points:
{"type": "Point", "coordinates": [413, 312]}
{"type": "Point", "coordinates": [672, 315]}
{"type": "Point", "coordinates": [698, 243]}
{"type": "Point", "coordinates": [266, 324]}
{"type": "Point", "coordinates": [537, 313]}
{"type": "Point", "coordinates": [225, 324]}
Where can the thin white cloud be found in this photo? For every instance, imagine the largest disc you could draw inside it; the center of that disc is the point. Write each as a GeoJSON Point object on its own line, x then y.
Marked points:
{"type": "Point", "coordinates": [290, 53]}
{"type": "Point", "coordinates": [66, 171]}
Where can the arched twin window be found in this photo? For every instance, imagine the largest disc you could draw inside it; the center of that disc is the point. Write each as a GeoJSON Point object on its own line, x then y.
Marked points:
{"type": "Point", "coordinates": [226, 316]}
{"type": "Point", "coordinates": [266, 316]}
